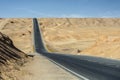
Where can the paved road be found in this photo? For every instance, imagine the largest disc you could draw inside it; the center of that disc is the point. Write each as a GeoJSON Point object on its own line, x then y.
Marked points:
{"type": "Point", "coordinates": [86, 67]}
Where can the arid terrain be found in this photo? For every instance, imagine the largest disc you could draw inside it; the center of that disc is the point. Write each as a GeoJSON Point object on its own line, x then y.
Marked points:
{"type": "Point", "coordinates": [19, 30]}
{"type": "Point", "coordinates": [95, 36]}
{"type": "Point", "coordinates": [79, 36]}
{"type": "Point", "coordinates": [11, 59]}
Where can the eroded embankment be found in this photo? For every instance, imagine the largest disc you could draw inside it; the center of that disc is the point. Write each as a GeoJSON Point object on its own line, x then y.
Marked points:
{"type": "Point", "coordinates": [11, 58]}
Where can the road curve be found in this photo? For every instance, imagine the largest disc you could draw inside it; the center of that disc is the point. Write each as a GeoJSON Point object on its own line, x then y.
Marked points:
{"type": "Point", "coordinates": [86, 67]}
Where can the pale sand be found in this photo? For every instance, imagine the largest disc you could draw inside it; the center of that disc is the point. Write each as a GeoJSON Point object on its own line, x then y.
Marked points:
{"type": "Point", "coordinates": [19, 30]}
{"type": "Point", "coordinates": [96, 37]}
{"type": "Point", "coordinates": [43, 69]}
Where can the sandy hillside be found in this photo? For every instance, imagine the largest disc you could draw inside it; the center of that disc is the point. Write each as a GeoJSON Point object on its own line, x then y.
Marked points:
{"type": "Point", "coordinates": [11, 59]}
{"type": "Point", "coordinates": [19, 30]}
{"type": "Point", "coordinates": [96, 37]}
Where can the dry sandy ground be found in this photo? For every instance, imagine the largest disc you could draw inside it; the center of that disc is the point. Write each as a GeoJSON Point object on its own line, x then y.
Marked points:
{"type": "Point", "coordinates": [11, 58]}
{"type": "Point", "coordinates": [96, 37]}
{"type": "Point", "coordinates": [19, 30]}
{"type": "Point", "coordinates": [40, 68]}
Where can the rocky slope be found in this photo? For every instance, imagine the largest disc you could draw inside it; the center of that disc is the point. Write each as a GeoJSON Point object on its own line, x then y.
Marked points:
{"type": "Point", "coordinates": [11, 58]}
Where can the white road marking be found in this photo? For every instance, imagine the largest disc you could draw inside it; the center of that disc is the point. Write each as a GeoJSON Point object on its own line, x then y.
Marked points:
{"type": "Point", "coordinates": [82, 77]}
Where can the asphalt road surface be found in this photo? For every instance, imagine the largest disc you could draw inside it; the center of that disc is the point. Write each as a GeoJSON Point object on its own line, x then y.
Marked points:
{"type": "Point", "coordinates": [86, 67]}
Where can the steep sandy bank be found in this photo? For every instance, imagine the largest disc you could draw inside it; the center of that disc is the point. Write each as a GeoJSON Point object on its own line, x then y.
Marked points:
{"type": "Point", "coordinates": [11, 58]}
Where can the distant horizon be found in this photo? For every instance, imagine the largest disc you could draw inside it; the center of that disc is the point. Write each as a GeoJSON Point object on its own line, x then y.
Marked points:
{"type": "Point", "coordinates": [62, 17]}
{"type": "Point", "coordinates": [60, 9]}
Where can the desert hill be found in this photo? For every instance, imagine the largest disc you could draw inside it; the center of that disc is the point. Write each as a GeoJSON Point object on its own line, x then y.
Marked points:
{"type": "Point", "coordinates": [19, 30]}
{"type": "Point", "coordinates": [79, 36]}
{"type": "Point", "coordinates": [86, 36]}
{"type": "Point", "coordinates": [11, 58]}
